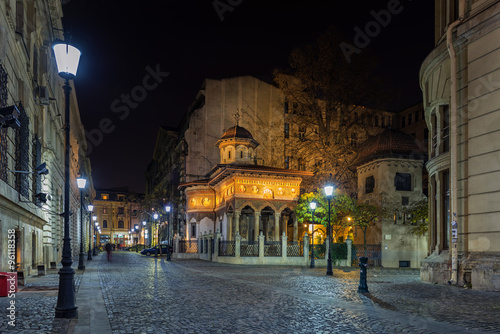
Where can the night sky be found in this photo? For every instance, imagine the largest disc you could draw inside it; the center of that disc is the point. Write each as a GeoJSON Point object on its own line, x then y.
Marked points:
{"type": "Point", "coordinates": [159, 53]}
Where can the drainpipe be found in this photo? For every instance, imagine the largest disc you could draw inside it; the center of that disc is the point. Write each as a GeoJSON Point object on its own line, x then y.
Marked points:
{"type": "Point", "coordinates": [454, 145]}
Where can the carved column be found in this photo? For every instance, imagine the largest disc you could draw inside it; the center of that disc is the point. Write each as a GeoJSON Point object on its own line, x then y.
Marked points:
{"type": "Point", "coordinates": [230, 227]}
{"type": "Point", "coordinates": [257, 225]}
{"type": "Point", "coordinates": [237, 221]}
{"type": "Point", "coordinates": [277, 226]}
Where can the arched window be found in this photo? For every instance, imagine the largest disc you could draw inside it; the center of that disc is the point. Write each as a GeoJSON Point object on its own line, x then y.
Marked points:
{"type": "Point", "coordinates": [241, 154]}
{"type": "Point", "coordinates": [120, 224]}
{"type": "Point", "coordinates": [104, 223]}
{"type": "Point", "coordinates": [229, 154]}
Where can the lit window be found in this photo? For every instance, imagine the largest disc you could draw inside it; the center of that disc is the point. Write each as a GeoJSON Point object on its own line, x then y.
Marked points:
{"type": "Point", "coordinates": [105, 224]}
{"type": "Point", "coordinates": [287, 130]}
{"type": "Point", "coordinates": [121, 224]}
{"type": "Point", "coordinates": [105, 196]}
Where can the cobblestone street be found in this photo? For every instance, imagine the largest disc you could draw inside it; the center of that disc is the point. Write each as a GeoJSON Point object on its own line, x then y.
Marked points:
{"type": "Point", "coordinates": [149, 295]}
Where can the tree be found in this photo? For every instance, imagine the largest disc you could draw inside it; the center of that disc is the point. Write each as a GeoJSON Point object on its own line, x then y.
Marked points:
{"type": "Point", "coordinates": [325, 98]}
{"type": "Point", "coordinates": [340, 207]}
{"type": "Point", "coordinates": [419, 218]}
{"type": "Point", "coordinates": [363, 215]}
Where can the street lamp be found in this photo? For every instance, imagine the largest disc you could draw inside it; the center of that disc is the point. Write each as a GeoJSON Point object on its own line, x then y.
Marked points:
{"type": "Point", "coordinates": [329, 193]}
{"type": "Point", "coordinates": [67, 58]}
{"type": "Point", "coordinates": [90, 207]}
{"type": "Point", "coordinates": [312, 205]}
{"type": "Point", "coordinates": [81, 184]}
{"type": "Point", "coordinates": [144, 237]}
{"type": "Point", "coordinates": [94, 219]}
{"type": "Point", "coordinates": [167, 209]}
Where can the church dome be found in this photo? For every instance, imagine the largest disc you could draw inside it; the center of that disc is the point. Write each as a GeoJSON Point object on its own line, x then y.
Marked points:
{"type": "Point", "coordinates": [237, 132]}
{"type": "Point", "coordinates": [389, 144]}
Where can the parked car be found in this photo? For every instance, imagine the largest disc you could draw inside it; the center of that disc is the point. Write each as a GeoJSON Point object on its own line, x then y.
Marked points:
{"type": "Point", "coordinates": [136, 248]}
{"type": "Point", "coordinates": [152, 251]}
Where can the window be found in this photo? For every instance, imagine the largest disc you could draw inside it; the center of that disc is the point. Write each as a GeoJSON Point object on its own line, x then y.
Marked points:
{"type": "Point", "coordinates": [402, 181]}
{"type": "Point", "coordinates": [376, 121]}
{"type": "Point", "coordinates": [134, 213]}
{"type": "Point", "coordinates": [416, 116]}
{"type": "Point", "coordinates": [403, 122]}
{"type": "Point", "coordinates": [426, 136]}
{"type": "Point", "coordinates": [302, 132]}
{"type": "Point", "coordinates": [287, 130]}
{"type": "Point", "coordinates": [287, 162]}
{"type": "Point", "coordinates": [121, 210]}
{"type": "Point", "coordinates": [410, 120]}
{"type": "Point", "coordinates": [405, 200]}
{"type": "Point", "coordinates": [241, 154]}
{"type": "Point", "coordinates": [105, 197]}
{"type": "Point", "coordinates": [104, 223]}
{"type": "Point", "coordinates": [445, 141]}
{"type": "Point", "coordinates": [354, 139]}
{"type": "Point", "coordinates": [434, 135]}
{"type": "Point", "coordinates": [105, 210]}
{"type": "Point", "coordinates": [22, 153]}
{"type": "Point", "coordinates": [302, 166]}
{"type": "Point", "coordinates": [193, 230]}
{"type": "Point", "coordinates": [295, 108]}
{"type": "Point", "coordinates": [121, 198]}
{"type": "Point", "coordinates": [229, 154]}
{"type": "Point", "coordinates": [286, 107]}
{"type": "Point", "coordinates": [369, 184]}
{"type": "Point", "coordinates": [121, 224]}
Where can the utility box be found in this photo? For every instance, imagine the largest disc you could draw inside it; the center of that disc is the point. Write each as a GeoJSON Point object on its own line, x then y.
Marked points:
{"type": "Point", "coordinates": [8, 283]}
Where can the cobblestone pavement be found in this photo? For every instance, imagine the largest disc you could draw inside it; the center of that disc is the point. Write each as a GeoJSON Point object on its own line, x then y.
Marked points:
{"type": "Point", "coordinates": [35, 306]}
{"type": "Point", "coordinates": [148, 295]}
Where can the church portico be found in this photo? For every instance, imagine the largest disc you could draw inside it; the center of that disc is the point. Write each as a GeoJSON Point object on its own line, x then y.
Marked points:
{"type": "Point", "coordinates": [244, 199]}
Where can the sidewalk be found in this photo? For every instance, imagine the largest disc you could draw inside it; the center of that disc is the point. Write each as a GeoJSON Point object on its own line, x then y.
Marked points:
{"type": "Point", "coordinates": [92, 314]}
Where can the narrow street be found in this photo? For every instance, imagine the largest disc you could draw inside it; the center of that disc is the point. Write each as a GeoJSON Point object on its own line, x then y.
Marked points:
{"type": "Point", "coordinates": [150, 295]}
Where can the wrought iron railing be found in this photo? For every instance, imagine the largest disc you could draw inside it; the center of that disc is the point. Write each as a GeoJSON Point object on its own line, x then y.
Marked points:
{"type": "Point", "coordinates": [200, 247]}
{"type": "Point", "coordinates": [3, 131]}
{"type": "Point", "coordinates": [295, 248]}
{"type": "Point", "coordinates": [212, 244]}
{"type": "Point", "coordinates": [249, 248]}
{"type": "Point", "coordinates": [272, 248]}
{"type": "Point", "coordinates": [205, 246]}
{"type": "Point", "coordinates": [227, 247]}
{"type": "Point", "coordinates": [188, 246]}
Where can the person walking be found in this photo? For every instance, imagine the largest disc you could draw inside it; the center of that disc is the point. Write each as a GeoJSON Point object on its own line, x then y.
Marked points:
{"type": "Point", "coordinates": [108, 250]}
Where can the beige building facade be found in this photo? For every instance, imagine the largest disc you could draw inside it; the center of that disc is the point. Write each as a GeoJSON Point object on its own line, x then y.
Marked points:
{"type": "Point", "coordinates": [459, 80]}
{"type": "Point", "coordinates": [31, 203]}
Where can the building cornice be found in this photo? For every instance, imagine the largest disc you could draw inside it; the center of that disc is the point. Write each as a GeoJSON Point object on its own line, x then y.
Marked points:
{"type": "Point", "coordinates": [438, 163]}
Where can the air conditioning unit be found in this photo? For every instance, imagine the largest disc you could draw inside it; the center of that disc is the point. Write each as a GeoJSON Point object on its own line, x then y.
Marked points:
{"type": "Point", "coordinates": [43, 93]}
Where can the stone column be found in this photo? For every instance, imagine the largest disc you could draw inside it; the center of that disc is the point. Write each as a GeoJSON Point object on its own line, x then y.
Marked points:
{"type": "Point", "coordinates": [284, 223]}
{"type": "Point", "coordinates": [284, 243]}
{"type": "Point", "coordinates": [349, 251]}
{"type": "Point", "coordinates": [237, 222]}
{"type": "Point", "coordinates": [261, 245]}
{"type": "Point", "coordinates": [216, 246]}
{"type": "Point", "coordinates": [295, 229]}
{"type": "Point", "coordinates": [257, 225]}
{"type": "Point", "coordinates": [277, 226]}
{"type": "Point", "coordinates": [230, 227]}
{"type": "Point", "coordinates": [237, 245]}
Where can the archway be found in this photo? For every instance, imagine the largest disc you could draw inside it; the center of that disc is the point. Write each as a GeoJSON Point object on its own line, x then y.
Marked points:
{"type": "Point", "coordinates": [267, 221]}
{"type": "Point", "coordinates": [247, 223]}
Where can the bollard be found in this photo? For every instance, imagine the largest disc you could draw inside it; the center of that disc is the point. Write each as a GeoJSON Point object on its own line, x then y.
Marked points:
{"type": "Point", "coordinates": [363, 265]}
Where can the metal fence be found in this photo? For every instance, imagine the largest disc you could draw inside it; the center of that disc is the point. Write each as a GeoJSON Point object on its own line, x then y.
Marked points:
{"type": "Point", "coordinates": [249, 248]}
{"type": "Point", "coordinates": [295, 248]}
{"type": "Point", "coordinates": [272, 248]}
{"type": "Point", "coordinates": [227, 247]}
{"type": "Point", "coordinates": [212, 244]}
{"type": "Point", "coordinates": [373, 253]}
{"type": "Point", "coordinates": [188, 246]}
{"type": "Point", "coordinates": [205, 246]}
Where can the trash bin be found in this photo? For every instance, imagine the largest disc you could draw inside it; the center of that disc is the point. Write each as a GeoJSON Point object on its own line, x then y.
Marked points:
{"type": "Point", "coordinates": [8, 283]}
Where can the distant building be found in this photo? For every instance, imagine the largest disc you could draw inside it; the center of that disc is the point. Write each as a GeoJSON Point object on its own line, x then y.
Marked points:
{"type": "Point", "coordinates": [31, 203]}
{"type": "Point", "coordinates": [460, 83]}
{"type": "Point", "coordinates": [118, 213]}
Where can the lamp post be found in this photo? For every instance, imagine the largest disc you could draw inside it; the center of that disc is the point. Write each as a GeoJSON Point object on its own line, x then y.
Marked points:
{"type": "Point", "coordinates": [155, 217]}
{"type": "Point", "coordinates": [312, 205]}
{"type": "Point", "coordinates": [167, 209]}
{"type": "Point", "coordinates": [81, 184]}
{"type": "Point", "coordinates": [67, 58]}
{"type": "Point", "coordinates": [94, 219]}
{"type": "Point", "coordinates": [138, 238]}
{"type": "Point", "coordinates": [144, 238]}
{"type": "Point", "coordinates": [90, 207]}
{"type": "Point", "coordinates": [328, 193]}
{"type": "Point", "coordinates": [96, 226]}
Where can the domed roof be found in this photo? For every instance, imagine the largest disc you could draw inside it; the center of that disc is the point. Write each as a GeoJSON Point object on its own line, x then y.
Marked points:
{"type": "Point", "coordinates": [389, 144]}
{"type": "Point", "coordinates": [237, 132]}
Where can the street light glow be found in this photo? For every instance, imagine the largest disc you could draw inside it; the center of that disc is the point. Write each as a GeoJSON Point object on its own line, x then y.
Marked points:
{"type": "Point", "coordinates": [67, 59]}
{"type": "Point", "coordinates": [328, 190]}
{"type": "Point", "coordinates": [81, 182]}
{"type": "Point", "coordinates": [312, 205]}
{"type": "Point", "coordinates": [90, 207]}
